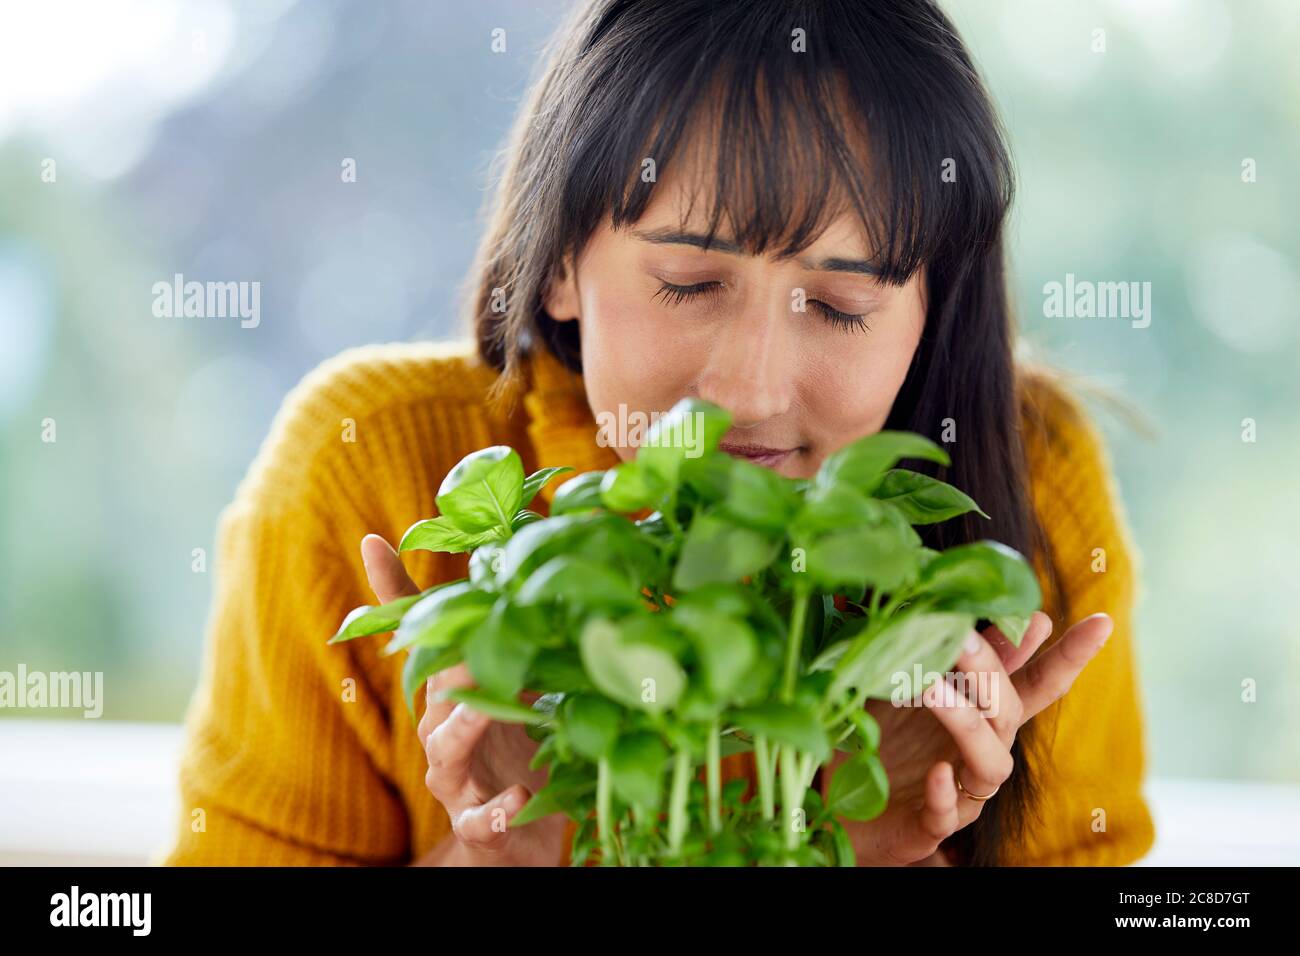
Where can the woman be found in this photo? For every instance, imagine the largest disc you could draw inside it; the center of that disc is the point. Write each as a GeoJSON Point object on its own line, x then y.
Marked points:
{"type": "Point", "coordinates": [794, 210]}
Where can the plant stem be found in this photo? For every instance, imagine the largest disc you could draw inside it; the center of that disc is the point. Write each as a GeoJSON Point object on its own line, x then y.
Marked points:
{"type": "Point", "coordinates": [641, 822]}
{"type": "Point", "coordinates": [715, 778]}
{"type": "Point", "coordinates": [875, 623]}
{"type": "Point", "coordinates": [618, 842]}
{"type": "Point", "coordinates": [763, 767]}
{"type": "Point", "coordinates": [791, 797]}
{"type": "Point", "coordinates": [677, 799]}
{"type": "Point", "coordinates": [670, 516]}
{"type": "Point", "coordinates": [604, 823]}
{"type": "Point", "coordinates": [794, 642]}
{"type": "Point", "coordinates": [806, 771]}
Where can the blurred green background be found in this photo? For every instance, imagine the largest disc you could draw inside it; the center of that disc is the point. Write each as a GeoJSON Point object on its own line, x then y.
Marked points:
{"type": "Point", "coordinates": [206, 138]}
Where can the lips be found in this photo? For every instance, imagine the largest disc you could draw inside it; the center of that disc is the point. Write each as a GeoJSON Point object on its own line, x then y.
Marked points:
{"type": "Point", "coordinates": [759, 454]}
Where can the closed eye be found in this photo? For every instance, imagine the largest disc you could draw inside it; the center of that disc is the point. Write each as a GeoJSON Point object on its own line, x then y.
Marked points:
{"type": "Point", "coordinates": [677, 294]}
{"type": "Point", "coordinates": [681, 293]}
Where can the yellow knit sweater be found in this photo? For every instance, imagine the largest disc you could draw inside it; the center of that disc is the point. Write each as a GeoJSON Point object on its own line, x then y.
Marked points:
{"type": "Point", "coordinates": [301, 753]}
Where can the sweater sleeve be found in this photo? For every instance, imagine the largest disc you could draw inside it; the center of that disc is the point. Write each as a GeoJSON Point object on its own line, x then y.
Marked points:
{"type": "Point", "coordinates": [1088, 748]}
{"type": "Point", "coordinates": [287, 758]}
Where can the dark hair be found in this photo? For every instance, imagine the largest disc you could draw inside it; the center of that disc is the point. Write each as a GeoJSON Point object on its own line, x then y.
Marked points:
{"type": "Point", "coordinates": [812, 108]}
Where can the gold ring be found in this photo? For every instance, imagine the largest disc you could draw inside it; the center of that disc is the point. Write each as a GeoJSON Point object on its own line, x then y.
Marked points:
{"type": "Point", "coordinates": [973, 796]}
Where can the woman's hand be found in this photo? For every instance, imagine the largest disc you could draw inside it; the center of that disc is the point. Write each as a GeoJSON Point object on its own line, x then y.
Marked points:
{"type": "Point", "coordinates": [478, 768]}
{"type": "Point", "coordinates": [922, 747]}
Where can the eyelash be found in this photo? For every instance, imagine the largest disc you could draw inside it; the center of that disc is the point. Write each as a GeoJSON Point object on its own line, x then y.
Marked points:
{"type": "Point", "coordinates": [681, 293]}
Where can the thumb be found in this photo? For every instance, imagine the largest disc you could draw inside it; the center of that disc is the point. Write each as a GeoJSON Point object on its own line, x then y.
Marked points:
{"type": "Point", "coordinates": [388, 578]}
{"type": "Point", "coordinates": [487, 826]}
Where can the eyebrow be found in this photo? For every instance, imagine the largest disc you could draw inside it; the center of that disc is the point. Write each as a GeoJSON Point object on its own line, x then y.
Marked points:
{"type": "Point", "coordinates": [673, 237]}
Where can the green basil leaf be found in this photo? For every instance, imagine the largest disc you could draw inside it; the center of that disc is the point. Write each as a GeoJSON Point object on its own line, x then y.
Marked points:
{"type": "Point", "coordinates": [535, 482]}
{"type": "Point", "coordinates": [442, 534]}
{"type": "Point", "coordinates": [637, 675]}
{"type": "Point", "coordinates": [726, 647]}
{"type": "Point", "coordinates": [734, 744]}
{"type": "Point", "coordinates": [636, 769]}
{"type": "Point", "coordinates": [561, 669]}
{"type": "Point", "coordinates": [421, 664]}
{"type": "Point", "coordinates": [859, 789]}
{"type": "Point", "coordinates": [581, 582]}
{"type": "Point", "coordinates": [931, 640]}
{"type": "Point", "coordinates": [922, 499]}
{"type": "Point", "coordinates": [372, 619]}
{"type": "Point", "coordinates": [716, 551]}
{"type": "Point", "coordinates": [570, 789]}
{"type": "Point", "coordinates": [830, 508]}
{"type": "Point", "coordinates": [560, 795]}
{"type": "Point", "coordinates": [862, 464]}
{"type": "Point", "coordinates": [729, 600]}
{"type": "Point", "coordinates": [441, 617]}
{"type": "Point", "coordinates": [484, 490]}
{"type": "Point", "coordinates": [709, 476]}
{"type": "Point", "coordinates": [1012, 626]}
{"type": "Point", "coordinates": [504, 710]}
{"type": "Point", "coordinates": [498, 655]}
{"type": "Point", "coordinates": [759, 498]}
{"type": "Point", "coordinates": [602, 537]}
{"type": "Point", "coordinates": [861, 557]}
{"type": "Point", "coordinates": [845, 855]}
{"type": "Point", "coordinates": [691, 429]}
{"type": "Point", "coordinates": [787, 724]}
{"type": "Point", "coordinates": [868, 730]}
{"type": "Point", "coordinates": [578, 494]}
{"type": "Point", "coordinates": [484, 564]}
{"type": "Point", "coordinates": [535, 543]}
{"type": "Point", "coordinates": [985, 578]}
{"type": "Point", "coordinates": [522, 517]}
{"type": "Point", "coordinates": [591, 724]}
{"type": "Point", "coordinates": [630, 486]}
{"type": "Point", "coordinates": [549, 703]}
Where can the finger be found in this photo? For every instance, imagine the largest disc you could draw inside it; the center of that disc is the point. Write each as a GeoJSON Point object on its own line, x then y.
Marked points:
{"type": "Point", "coordinates": [988, 761]}
{"type": "Point", "coordinates": [989, 687]}
{"type": "Point", "coordinates": [486, 826]}
{"type": "Point", "coordinates": [436, 707]}
{"type": "Point", "coordinates": [937, 820]}
{"type": "Point", "coordinates": [449, 749]}
{"type": "Point", "coordinates": [1013, 657]}
{"type": "Point", "coordinates": [388, 578]}
{"type": "Point", "coordinates": [1045, 680]}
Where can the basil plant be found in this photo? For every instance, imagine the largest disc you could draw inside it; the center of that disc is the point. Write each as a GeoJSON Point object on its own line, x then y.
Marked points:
{"type": "Point", "coordinates": [706, 627]}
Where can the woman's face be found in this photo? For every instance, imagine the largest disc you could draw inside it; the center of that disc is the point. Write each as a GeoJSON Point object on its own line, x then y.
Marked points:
{"type": "Point", "coordinates": [807, 354]}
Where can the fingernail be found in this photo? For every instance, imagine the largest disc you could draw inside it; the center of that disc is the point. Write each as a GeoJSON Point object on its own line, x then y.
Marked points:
{"type": "Point", "coordinates": [1109, 631]}
{"type": "Point", "coordinates": [972, 642]}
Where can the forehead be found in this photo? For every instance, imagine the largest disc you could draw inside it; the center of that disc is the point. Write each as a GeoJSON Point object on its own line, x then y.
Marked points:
{"type": "Point", "coordinates": [685, 194]}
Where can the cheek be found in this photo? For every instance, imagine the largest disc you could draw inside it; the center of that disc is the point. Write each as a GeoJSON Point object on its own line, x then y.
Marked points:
{"type": "Point", "coordinates": [853, 387]}
{"type": "Point", "coordinates": [631, 353]}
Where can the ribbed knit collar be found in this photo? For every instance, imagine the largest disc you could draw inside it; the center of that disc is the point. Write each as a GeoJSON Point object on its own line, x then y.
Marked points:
{"type": "Point", "coordinates": [561, 428]}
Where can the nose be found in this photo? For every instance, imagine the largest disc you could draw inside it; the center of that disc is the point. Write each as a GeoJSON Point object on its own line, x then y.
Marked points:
{"type": "Point", "coordinates": [751, 364]}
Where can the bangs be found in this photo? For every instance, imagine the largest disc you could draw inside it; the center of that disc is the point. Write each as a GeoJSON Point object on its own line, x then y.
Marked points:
{"type": "Point", "coordinates": [797, 113]}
